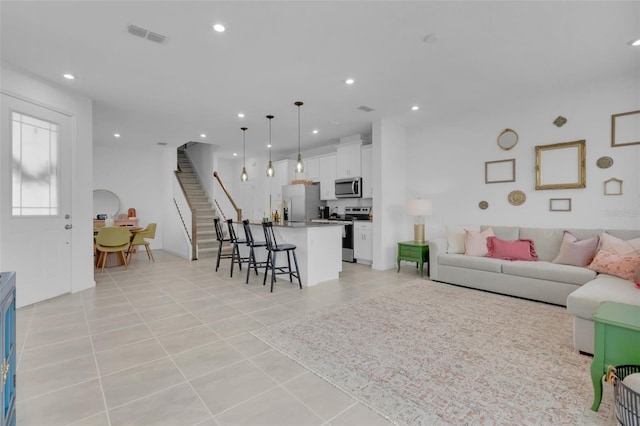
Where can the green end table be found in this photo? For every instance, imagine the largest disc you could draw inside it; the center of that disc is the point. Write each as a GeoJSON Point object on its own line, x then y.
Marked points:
{"type": "Point", "coordinates": [414, 252]}
{"type": "Point", "coordinates": [617, 341]}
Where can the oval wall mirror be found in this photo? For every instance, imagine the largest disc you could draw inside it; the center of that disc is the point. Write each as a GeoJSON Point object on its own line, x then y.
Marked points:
{"type": "Point", "coordinates": [507, 139]}
{"type": "Point", "coordinates": [105, 202]}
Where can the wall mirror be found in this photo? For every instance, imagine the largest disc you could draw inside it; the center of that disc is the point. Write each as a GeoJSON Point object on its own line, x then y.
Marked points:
{"type": "Point", "coordinates": [105, 202]}
{"type": "Point", "coordinates": [625, 128]}
{"type": "Point", "coordinates": [507, 139]}
{"type": "Point", "coordinates": [561, 165]}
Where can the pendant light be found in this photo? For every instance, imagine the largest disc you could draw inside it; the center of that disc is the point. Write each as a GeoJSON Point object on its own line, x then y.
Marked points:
{"type": "Point", "coordinates": [270, 171]}
{"type": "Point", "coordinates": [299, 164]}
{"type": "Point", "coordinates": [244, 176]}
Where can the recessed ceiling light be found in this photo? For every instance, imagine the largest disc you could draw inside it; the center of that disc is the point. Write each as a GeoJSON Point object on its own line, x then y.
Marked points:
{"type": "Point", "coordinates": [268, 145]}
{"type": "Point", "coordinates": [241, 115]}
{"type": "Point", "coordinates": [202, 135]}
{"type": "Point", "coordinates": [634, 43]}
{"type": "Point", "coordinates": [349, 81]}
{"type": "Point", "coordinates": [219, 28]}
{"type": "Point", "coordinates": [116, 135]}
{"type": "Point", "coordinates": [69, 76]}
{"type": "Point", "coordinates": [235, 154]}
{"type": "Point", "coordinates": [415, 108]}
{"type": "Point", "coordinates": [315, 131]}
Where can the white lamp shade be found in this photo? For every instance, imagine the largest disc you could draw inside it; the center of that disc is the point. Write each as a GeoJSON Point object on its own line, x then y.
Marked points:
{"type": "Point", "coordinates": [418, 207]}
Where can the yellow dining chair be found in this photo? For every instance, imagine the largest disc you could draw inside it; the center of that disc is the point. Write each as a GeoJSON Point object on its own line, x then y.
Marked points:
{"type": "Point", "coordinates": [139, 239]}
{"type": "Point", "coordinates": [112, 239]}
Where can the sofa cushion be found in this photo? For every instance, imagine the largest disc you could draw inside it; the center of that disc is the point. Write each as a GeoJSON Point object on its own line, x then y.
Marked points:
{"type": "Point", "coordinates": [584, 301]}
{"type": "Point", "coordinates": [471, 262]}
{"type": "Point", "coordinates": [475, 243]}
{"type": "Point", "coordinates": [620, 246]}
{"type": "Point", "coordinates": [455, 237]}
{"type": "Point", "coordinates": [614, 264]}
{"type": "Point", "coordinates": [577, 252]}
{"type": "Point", "coordinates": [549, 271]}
{"type": "Point", "coordinates": [624, 234]}
{"type": "Point", "coordinates": [509, 233]}
{"type": "Point", "coordinates": [510, 250]}
{"type": "Point", "coordinates": [546, 241]}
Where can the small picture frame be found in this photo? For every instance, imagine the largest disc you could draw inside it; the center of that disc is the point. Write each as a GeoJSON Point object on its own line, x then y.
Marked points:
{"type": "Point", "coordinates": [613, 186]}
{"type": "Point", "coordinates": [560, 204]}
{"type": "Point", "coordinates": [500, 171]}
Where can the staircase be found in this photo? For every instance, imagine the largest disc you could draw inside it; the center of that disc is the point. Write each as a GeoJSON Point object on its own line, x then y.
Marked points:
{"type": "Point", "coordinates": [206, 233]}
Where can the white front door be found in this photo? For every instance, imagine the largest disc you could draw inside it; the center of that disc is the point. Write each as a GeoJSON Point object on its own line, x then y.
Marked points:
{"type": "Point", "coordinates": [35, 204]}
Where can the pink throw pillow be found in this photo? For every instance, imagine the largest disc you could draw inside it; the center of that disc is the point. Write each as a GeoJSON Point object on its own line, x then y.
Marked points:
{"type": "Point", "coordinates": [511, 250]}
{"type": "Point", "coordinates": [475, 243]}
{"type": "Point", "coordinates": [576, 252]}
{"type": "Point", "coordinates": [614, 264]}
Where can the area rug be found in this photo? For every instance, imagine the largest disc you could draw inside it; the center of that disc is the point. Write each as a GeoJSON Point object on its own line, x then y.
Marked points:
{"type": "Point", "coordinates": [425, 353]}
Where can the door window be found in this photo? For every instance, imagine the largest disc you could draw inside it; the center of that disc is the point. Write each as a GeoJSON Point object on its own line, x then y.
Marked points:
{"type": "Point", "coordinates": [35, 176]}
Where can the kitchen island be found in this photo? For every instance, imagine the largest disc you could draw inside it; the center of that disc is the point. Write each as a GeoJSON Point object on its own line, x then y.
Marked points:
{"type": "Point", "coordinates": [318, 248]}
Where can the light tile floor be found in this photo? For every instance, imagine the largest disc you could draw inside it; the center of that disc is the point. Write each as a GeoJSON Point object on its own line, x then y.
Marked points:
{"type": "Point", "coordinates": [168, 343]}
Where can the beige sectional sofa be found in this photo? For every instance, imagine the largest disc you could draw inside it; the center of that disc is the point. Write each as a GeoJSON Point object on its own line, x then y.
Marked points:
{"type": "Point", "coordinates": [578, 288]}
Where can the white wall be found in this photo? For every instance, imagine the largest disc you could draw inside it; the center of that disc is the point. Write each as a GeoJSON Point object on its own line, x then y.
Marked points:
{"type": "Point", "coordinates": [390, 150]}
{"type": "Point", "coordinates": [28, 87]}
{"type": "Point", "coordinates": [446, 161]}
{"type": "Point", "coordinates": [136, 176]}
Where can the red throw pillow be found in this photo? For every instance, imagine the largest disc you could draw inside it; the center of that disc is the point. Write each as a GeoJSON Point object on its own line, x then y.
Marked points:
{"type": "Point", "coordinates": [511, 250]}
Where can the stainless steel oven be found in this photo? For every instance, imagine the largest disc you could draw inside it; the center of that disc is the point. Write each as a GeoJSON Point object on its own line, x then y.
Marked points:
{"type": "Point", "coordinates": [350, 214]}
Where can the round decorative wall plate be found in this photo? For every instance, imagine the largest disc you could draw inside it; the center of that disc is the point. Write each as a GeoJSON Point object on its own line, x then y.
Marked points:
{"type": "Point", "coordinates": [483, 205]}
{"type": "Point", "coordinates": [604, 162]}
{"type": "Point", "coordinates": [517, 198]}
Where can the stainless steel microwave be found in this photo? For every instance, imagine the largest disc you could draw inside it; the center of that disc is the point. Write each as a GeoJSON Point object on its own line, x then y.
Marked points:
{"type": "Point", "coordinates": [349, 188]}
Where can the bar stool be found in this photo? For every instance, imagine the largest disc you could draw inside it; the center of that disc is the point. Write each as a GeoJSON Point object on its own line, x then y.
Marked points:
{"type": "Point", "coordinates": [235, 250]}
{"type": "Point", "coordinates": [273, 247]}
{"type": "Point", "coordinates": [221, 241]}
{"type": "Point", "coordinates": [253, 263]}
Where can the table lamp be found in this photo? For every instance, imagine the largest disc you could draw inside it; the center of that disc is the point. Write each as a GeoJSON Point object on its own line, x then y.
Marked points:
{"type": "Point", "coordinates": [418, 208]}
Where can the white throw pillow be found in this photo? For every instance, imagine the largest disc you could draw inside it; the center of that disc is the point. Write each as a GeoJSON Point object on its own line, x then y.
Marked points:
{"type": "Point", "coordinates": [455, 237]}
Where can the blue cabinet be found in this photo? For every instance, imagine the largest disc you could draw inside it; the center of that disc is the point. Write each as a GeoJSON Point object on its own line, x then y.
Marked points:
{"type": "Point", "coordinates": [8, 342]}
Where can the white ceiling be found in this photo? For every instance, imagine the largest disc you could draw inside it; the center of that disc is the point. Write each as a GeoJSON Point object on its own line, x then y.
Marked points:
{"type": "Point", "coordinates": [276, 53]}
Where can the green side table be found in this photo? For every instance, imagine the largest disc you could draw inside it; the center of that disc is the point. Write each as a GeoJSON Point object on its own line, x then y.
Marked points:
{"type": "Point", "coordinates": [617, 341]}
{"type": "Point", "coordinates": [414, 252]}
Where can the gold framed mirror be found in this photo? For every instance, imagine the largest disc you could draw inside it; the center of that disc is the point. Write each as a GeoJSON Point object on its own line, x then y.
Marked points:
{"type": "Point", "coordinates": [507, 139]}
{"type": "Point", "coordinates": [561, 165]}
{"type": "Point", "coordinates": [625, 129]}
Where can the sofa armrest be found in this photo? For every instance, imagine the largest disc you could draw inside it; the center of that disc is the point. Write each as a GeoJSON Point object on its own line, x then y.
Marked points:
{"type": "Point", "coordinates": [436, 248]}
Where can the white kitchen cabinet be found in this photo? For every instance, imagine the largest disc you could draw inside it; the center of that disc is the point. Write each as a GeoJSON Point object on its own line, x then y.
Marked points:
{"type": "Point", "coordinates": [348, 161]}
{"type": "Point", "coordinates": [367, 174]}
{"type": "Point", "coordinates": [284, 172]}
{"type": "Point", "coordinates": [328, 177]}
{"type": "Point", "coordinates": [311, 169]}
{"type": "Point", "coordinates": [363, 242]}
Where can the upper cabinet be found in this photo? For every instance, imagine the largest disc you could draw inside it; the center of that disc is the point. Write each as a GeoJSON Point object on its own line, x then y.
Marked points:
{"type": "Point", "coordinates": [284, 173]}
{"type": "Point", "coordinates": [367, 175]}
{"type": "Point", "coordinates": [328, 177]}
{"type": "Point", "coordinates": [311, 169]}
{"type": "Point", "coordinates": [348, 160]}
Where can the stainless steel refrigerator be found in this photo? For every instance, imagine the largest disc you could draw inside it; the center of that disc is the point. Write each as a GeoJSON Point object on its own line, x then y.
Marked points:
{"type": "Point", "coordinates": [302, 201]}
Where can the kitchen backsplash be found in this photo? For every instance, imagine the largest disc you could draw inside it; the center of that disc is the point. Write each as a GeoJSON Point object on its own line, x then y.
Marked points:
{"type": "Point", "coordinates": [348, 202]}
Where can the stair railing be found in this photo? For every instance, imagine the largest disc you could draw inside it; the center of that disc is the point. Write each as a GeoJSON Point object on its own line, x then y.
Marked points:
{"type": "Point", "coordinates": [233, 203]}
{"type": "Point", "coordinates": [191, 218]}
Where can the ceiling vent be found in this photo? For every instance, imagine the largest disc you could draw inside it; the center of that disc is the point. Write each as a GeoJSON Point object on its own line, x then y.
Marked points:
{"type": "Point", "coordinates": [162, 143]}
{"type": "Point", "coordinates": [144, 33]}
{"type": "Point", "coordinates": [365, 108]}
{"type": "Point", "coordinates": [158, 38]}
{"type": "Point", "coordinates": [137, 31]}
